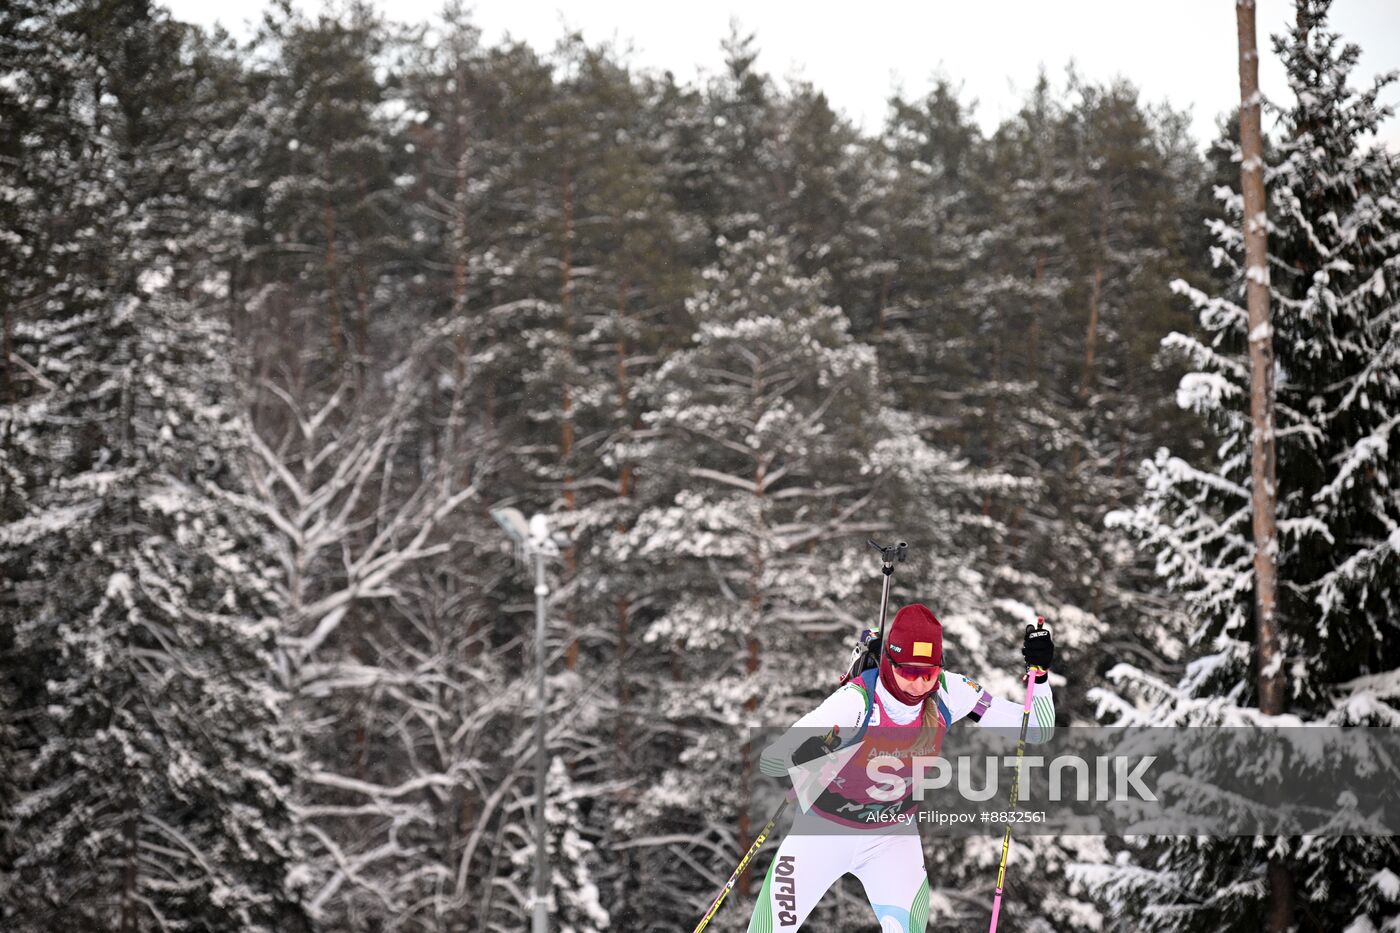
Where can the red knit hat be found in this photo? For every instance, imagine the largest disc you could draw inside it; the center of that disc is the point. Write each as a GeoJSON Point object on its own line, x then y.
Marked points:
{"type": "Point", "coordinates": [915, 637]}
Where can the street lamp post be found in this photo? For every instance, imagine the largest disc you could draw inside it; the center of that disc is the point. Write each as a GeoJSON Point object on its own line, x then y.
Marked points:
{"type": "Point", "coordinates": [534, 541]}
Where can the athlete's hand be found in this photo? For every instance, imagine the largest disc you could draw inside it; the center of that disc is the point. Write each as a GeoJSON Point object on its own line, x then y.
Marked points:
{"type": "Point", "coordinates": [815, 763]}
{"type": "Point", "coordinates": [1039, 651]}
{"type": "Point", "coordinates": [817, 746]}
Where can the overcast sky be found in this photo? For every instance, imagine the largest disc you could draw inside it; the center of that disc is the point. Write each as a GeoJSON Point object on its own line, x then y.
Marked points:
{"type": "Point", "coordinates": [1182, 51]}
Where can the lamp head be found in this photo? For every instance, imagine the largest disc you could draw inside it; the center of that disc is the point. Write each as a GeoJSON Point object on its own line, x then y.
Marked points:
{"type": "Point", "coordinates": [530, 538]}
{"type": "Point", "coordinates": [512, 523]}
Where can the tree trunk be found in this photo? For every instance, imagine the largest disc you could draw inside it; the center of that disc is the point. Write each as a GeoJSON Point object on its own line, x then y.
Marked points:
{"type": "Point", "coordinates": [361, 324]}
{"type": "Point", "coordinates": [1261, 366]}
{"type": "Point", "coordinates": [622, 607]}
{"type": "Point", "coordinates": [460, 245]}
{"type": "Point", "coordinates": [1261, 409]}
{"type": "Point", "coordinates": [460, 266]}
{"type": "Point", "coordinates": [1036, 310]}
{"type": "Point", "coordinates": [884, 302]}
{"type": "Point", "coordinates": [333, 304]}
{"type": "Point", "coordinates": [566, 429]}
{"type": "Point", "coordinates": [751, 664]}
{"type": "Point", "coordinates": [130, 872]}
{"type": "Point", "coordinates": [623, 604]}
{"type": "Point", "coordinates": [1091, 339]}
{"type": "Point", "coordinates": [752, 654]}
{"type": "Point", "coordinates": [7, 394]}
{"type": "Point", "coordinates": [994, 415]}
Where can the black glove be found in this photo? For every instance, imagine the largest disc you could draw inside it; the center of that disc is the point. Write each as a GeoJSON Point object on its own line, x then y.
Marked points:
{"type": "Point", "coordinates": [817, 746]}
{"type": "Point", "coordinates": [1039, 651]}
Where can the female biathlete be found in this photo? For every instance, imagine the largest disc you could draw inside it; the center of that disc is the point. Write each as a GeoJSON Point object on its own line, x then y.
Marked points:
{"type": "Point", "coordinates": [899, 710]}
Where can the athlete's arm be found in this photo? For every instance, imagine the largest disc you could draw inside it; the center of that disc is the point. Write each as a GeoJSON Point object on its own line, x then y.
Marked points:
{"type": "Point", "coordinates": [966, 698]}
{"type": "Point", "coordinates": [844, 709]}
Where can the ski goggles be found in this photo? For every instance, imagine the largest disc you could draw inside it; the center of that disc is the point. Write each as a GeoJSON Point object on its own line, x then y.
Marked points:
{"type": "Point", "coordinates": [917, 671]}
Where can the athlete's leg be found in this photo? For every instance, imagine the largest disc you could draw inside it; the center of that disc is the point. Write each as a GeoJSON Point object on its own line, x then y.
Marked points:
{"type": "Point", "coordinates": [891, 868]}
{"type": "Point", "coordinates": [803, 869]}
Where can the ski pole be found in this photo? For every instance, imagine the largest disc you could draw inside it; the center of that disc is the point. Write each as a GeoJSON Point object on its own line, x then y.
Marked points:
{"type": "Point", "coordinates": [830, 740]}
{"type": "Point", "coordinates": [743, 863]}
{"type": "Point", "coordinates": [1015, 786]}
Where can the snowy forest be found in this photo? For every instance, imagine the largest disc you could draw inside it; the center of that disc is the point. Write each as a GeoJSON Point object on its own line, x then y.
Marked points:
{"type": "Point", "coordinates": [285, 317]}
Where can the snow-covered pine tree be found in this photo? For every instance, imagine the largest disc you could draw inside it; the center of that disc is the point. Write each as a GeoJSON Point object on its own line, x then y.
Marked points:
{"type": "Point", "coordinates": [721, 136]}
{"type": "Point", "coordinates": [823, 189]}
{"type": "Point", "coordinates": [573, 858]}
{"type": "Point", "coordinates": [623, 308]}
{"type": "Point", "coordinates": [936, 211]}
{"type": "Point", "coordinates": [1335, 269]}
{"type": "Point", "coordinates": [40, 165]}
{"type": "Point", "coordinates": [1334, 249]}
{"type": "Point", "coordinates": [151, 778]}
{"type": "Point", "coordinates": [319, 159]}
{"type": "Point", "coordinates": [605, 270]}
{"type": "Point", "coordinates": [132, 804]}
{"type": "Point", "coordinates": [1019, 293]}
{"type": "Point", "coordinates": [1123, 222]}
